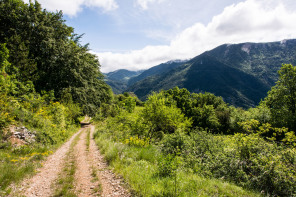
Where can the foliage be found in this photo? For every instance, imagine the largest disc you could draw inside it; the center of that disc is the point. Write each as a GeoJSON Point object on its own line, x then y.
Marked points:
{"type": "Point", "coordinates": [163, 116]}
{"type": "Point", "coordinates": [5, 85]}
{"type": "Point", "coordinates": [127, 102]}
{"type": "Point", "coordinates": [254, 154]}
{"type": "Point", "coordinates": [51, 121]}
{"type": "Point", "coordinates": [205, 110]}
{"type": "Point", "coordinates": [282, 98]}
{"type": "Point", "coordinates": [45, 51]}
{"type": "Point", "coordinates": [151, 173]}
{"type": "Point", "coordinates": [119, 103]}
{"type": "Point", "coordinates": [174, 144]}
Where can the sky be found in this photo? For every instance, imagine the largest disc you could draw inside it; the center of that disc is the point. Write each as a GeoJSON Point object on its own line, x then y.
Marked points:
{"type": "Point", "coordinates": [139, 34]}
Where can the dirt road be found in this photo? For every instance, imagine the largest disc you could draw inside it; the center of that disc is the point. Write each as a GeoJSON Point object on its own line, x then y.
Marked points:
{"type": "Point", "coordinates": [90, 173]}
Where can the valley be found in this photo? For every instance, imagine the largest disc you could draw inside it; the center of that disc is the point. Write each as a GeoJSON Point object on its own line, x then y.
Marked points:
{"type": "Point", "coordinates": [241, 73]}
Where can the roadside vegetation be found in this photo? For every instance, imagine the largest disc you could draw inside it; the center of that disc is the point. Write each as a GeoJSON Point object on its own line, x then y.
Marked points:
{"type": "Point", "coordinates": [49, 122]}
{"type": "Point", "coordinates": [183, 144]}
{"type": "Point", "coordinates": [48, 80]}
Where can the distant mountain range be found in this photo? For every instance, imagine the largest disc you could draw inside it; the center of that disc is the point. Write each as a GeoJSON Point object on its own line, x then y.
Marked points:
{"type": "Point", "coordinates": [119, 79]}
{"type": "Point", "coordinates": [241, 73]}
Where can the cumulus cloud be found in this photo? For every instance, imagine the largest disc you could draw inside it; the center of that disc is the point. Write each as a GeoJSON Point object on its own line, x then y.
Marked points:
{"type": "Point", "coordinates": [249, 21]}
{"type": "Point", "coordinates": [144, 3]}
{"type": "Point", "coordinates": [72, 7]}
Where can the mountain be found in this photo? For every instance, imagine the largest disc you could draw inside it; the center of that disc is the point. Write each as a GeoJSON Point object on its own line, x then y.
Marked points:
{"type": "Point", "coordinates": [240, 73]}
{"type": "Point", "coordinates": [262, 60]}
{"type": "Point", "coordinates": [118, 79]}
{"type": "Point", "coordinates": [156, 70]}
{"type": "Point", "coordinates": [206, 74]}
{"type": "Point", "coordinates": [122, 75]}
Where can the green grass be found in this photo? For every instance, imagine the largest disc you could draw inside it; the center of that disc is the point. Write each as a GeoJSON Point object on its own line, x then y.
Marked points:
{"type": "Point", "coordinates": [87, 139]}
{"type": "Point", "coordinates": [98, 188]}
{"type": "Point", "coordinates": [16, 163]}
{"type": "Point", "coordinates": [65, 183]}
{"type": "Point", "coordinates": [95, 179]}
{"type": "Point", "coordinates": [140, 168]}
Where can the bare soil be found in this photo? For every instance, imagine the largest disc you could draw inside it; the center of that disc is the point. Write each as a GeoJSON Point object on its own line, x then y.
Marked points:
{"type": "Point", "coordinates": [83, 178]}
{"type": "Point", "coordinates": [40, 184]}
{"type": "Point", "coordinates": [92, 175]}
{"type": "Point", "coordinates": [111, 184]}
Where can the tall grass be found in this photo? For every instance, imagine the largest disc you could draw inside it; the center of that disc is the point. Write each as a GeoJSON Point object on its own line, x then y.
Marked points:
{"type": "Point", "coordinates": [140, 167]}
{"type": "Point", "coordinates": [87, 139]}
{"type": "Point", "coordinates": [16, 163]}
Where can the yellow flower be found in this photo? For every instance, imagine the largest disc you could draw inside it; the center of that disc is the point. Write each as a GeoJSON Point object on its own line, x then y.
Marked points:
{"type": "Point", "coordinates": [34, 153]}
{"type": "Point", "coordinates": [13, 160]}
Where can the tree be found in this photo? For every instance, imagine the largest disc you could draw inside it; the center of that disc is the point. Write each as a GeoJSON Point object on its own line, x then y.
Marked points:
{"type": "Point", "coordinates": [281, 98]}
{"type": "Point", "coordinates": [205, 109]}
{"type": "Point", "coordinates": [44, 50]}
{"type": "Point", "coordinates": [163, 116]}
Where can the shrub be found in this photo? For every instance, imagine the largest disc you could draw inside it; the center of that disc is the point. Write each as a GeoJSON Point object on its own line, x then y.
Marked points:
{"type": "Point", "coordinates": [247, 160]}
{"type": "Point", "coordinates": [168, 165]}
{"type": "Point", "coordinates": [175, 143]}
{"type": "Point", "coordinates": [163, 116]}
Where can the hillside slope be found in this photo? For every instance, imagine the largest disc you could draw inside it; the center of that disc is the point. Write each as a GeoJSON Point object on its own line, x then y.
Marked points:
{"type": "Point", "coordinates": [156, 70]}
{"type": "Point", "coordinates": [262, 60]}
{"type": "Point", "coordinates": [241, 73]}
{"type": "Point", "coordinates": [118, 80]}
{"type": "Point", "coordinates": [207, 74]}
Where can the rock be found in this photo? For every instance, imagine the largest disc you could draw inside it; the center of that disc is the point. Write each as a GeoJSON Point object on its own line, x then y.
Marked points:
{"type": "Point", "coordinates": [21, 136]}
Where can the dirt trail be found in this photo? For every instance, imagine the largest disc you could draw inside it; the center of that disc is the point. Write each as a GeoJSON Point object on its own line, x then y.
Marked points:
{"type": "Point", "coordinates": [40, 184]}
{"type": "Point", "coordinates": [111, 185]}
{"type": "Point", "coordinates": [83, 177]}
{"type": "Point", "coordinates": [92, 176]}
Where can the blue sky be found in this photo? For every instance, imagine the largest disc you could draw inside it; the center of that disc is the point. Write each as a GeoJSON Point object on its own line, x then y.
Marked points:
{"type": "Point", "coordinates": [138, 34]}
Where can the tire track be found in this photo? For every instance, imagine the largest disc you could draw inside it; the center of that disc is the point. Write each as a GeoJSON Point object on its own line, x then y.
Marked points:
{"type": "Point", "coordinates": [41, 183]}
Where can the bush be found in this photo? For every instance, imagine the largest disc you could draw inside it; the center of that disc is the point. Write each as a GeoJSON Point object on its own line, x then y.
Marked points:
{"type": "Point", "coordinates": [162, 116]}
{"type": "Point", "coordinates": [151, 173]}
{"type": "Point", "coordinates": [175, 143]}
{"type": "Point", "coordinates": [247, 160]}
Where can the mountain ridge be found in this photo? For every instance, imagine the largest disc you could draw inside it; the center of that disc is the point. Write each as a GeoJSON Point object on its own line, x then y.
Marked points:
{"type": "Point", "coordinates": [246, 70]}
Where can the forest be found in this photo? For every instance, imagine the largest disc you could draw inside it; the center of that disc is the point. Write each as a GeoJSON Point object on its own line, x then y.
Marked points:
{"type": "Point", "coordinates": [175, 143]}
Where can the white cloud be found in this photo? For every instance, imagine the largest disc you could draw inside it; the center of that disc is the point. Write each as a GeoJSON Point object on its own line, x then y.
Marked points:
{"type": "Point", "coordinates": [144, 3]}
{"type": "Point", "coordinates": [249, 21]}
{"type": "Point", "coordinates": [107, 5]}
{"type": "Point", "coordinates": [72, 7]}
